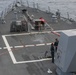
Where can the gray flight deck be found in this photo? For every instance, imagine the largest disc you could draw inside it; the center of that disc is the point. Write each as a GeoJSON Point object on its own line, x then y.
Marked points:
{"type": "Point", "coordinates": [25, 54]}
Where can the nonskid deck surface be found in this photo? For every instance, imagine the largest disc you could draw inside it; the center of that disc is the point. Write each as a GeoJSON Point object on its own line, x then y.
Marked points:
{"type": "Point", "coordinates": [23, 53]}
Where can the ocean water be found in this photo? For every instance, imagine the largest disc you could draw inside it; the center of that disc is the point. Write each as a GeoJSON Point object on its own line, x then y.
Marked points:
{"type": "Point", "coordinates": [5, 6]}
{"type": "Point", "coordinates": [65, 6]}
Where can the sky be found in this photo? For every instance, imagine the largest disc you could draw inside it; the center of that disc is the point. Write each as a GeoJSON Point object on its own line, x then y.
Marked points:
{"type": "Point", "coordinates": [65, 6]}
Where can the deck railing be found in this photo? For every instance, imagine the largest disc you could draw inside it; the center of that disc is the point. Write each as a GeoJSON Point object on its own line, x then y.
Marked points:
{"type": "Point", "coordinates": [49, 8]}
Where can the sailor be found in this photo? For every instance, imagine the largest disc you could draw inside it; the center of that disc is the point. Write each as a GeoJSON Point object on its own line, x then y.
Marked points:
{"type": "Point", "coordinates": [58, 14]}
{"type": "Point", "coordinates": [56, 44]}
{"type": "Point", "coordinates": [52, 52]}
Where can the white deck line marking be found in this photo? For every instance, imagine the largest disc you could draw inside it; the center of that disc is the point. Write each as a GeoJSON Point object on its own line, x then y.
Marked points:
{"type": "Point", "coordinates": [46, 32]}
{"type": "Point", "coordinates": [36, 32]}
{"type": "Point", "coordinates": [48, 43]}
{"type": "Point", "coordinates": [28, 33]}
{"type": "Point", "coordinates": [18, 46]}
{"type": "Point", "coordinates": [17, 34]}
{"type": "Point", "coordinates": [9, 49]}
{"type": "Point", "coordinates": [0, 48]}
{"type": "Point", "coordinates": [40, 44]}
{"type": "Point", "coordinates": [29, 45]}
{"type": "Point", "coordinates": [6, 47]}
{"type": "Point", "coordinates": [33, 61]}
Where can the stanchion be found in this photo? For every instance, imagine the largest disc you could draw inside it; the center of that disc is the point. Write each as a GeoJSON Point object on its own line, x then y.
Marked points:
{"type": "Point", "coordinates": [27, 3]}
{"type": "Point", "coordinates": [48, 9]}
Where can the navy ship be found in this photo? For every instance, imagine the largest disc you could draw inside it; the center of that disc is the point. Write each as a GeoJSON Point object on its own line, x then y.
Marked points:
{"type": "Point", "coordinates": [26, 35]}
